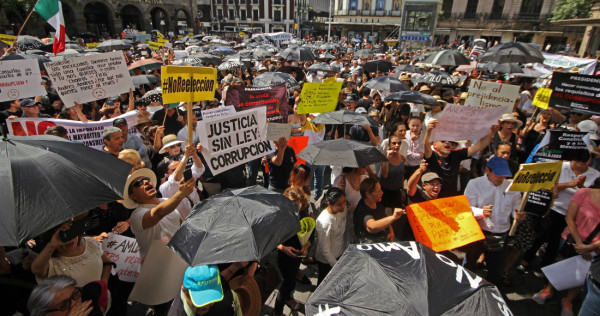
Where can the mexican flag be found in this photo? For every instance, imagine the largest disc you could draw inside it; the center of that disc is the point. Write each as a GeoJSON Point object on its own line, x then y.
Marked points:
{"type": "Point", "coordinates": [51, 11]}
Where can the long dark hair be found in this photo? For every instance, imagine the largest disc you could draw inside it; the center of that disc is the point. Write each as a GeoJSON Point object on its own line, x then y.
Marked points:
{"type": "Point", "coordinates": [331, 196]}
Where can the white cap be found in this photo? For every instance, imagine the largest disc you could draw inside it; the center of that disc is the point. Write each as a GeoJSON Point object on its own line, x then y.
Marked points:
{"type": "Point", "coordinates": [590, 127]}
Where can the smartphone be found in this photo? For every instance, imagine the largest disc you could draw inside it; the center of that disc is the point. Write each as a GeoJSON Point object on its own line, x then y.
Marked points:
{"type": "Point", "coordinates": [187, 174]}
{"type": "Point", "coordinates": [110, 103]}
{"type": "Point", "coordinates": [79, 228]}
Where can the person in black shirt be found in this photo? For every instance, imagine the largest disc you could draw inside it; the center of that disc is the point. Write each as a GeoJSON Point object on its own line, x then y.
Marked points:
{"type": "Point", "coordinates": [431, 185]}
{"type": "Point", "coordinates": [281, 165]}
{"type": "Point", "coordinates": [371, 223]}
{"type": "Point", "coordinates": [445, 161]}
{"type": "Point", "coordinates": [172, 124]}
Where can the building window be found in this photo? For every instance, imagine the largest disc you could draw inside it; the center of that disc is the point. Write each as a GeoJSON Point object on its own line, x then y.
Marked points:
{"type": "Point", "coordinates": [418, 21]}
{"type": "Point", "coordinates": [447, 7]}
{"type": "Point", "coordinates": [352, 5]}
{"type": "Point", "coordinates": [230, 1]}
{"type": "Point", "coordinates": [277, 16]}
{"type": "Point", "coordinates": [340, 3]}
{"type": "Point", "coordinates": [242, 1]}
{"type": "Point", "coordinates": [243, 15]}
{"type": "Point", "coordinates": [219, 1]}
{"type": "Point", "coordinates": [531, 9]}
{"type": "Point", "coordinates": [220, 14]}
{"type": "Point", "coordinates": [254, 1]}
{"type": "Point", "coordinates": [255, 15]}
{"type": "Point", "coordinates": [231, 14]}
{"type": "Point", "coordinates": [497, 10]}
{"type": "Point", "coordinates": [471, 11]}
{"type": "Point", "coordinates": [277, 2]}
{"type": "Point", "coordinates": [380, 5]}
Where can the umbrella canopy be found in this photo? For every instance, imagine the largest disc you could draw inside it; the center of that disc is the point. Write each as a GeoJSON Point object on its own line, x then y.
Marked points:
{"type": "Point", "coordinates": [377, 65]}
{"type": "Point", "coordinates": [342, 152]}
{"type": "Point", "coordinates": [207, 58]}
{"type": "Point", "coordinates": [387, 83]}
{"type": "Point", "coordinates": [222, 51]}
{"type": "Point", "coordinates": [323, 67]}
{"type": "Point", "coordinates": [503, 67]}
{"type": "Point", "coordinates": [326, 55]}
{"type": "Point", "coordinates": [145, 64]}
{"type": "Point", "coordinates": [467, 68]}
{"type": "Point", "coordinates": [529, 73]}
{"type": "Point", "coordinates": [274, 78]}
{"type": "Point", "coordinates": [513, 52]}
{"type": "Point", "coordinates": [363, 53]}
{"type": "Point", "coordinates": [26, 42]}
{"type": "Point", "coordinates": [344, 117]}
{"type": "Point", "coordinates": [29, 52]}
{"type": "Point", "coordinates": [47, 180]}
{"type": "Point", "coordinates": [407, 68]}
{"type": "Point", "coordinates": [329, 46]}
{"type": "Point", "coordinates": [41, 59]}
{"type": "Point", "coordinates": [234, 226]}
{"type": "Point", "coordinates": [231, 65]}
{"type": "Point", "coordinates": [311, 46]}
{"type": "Point", "coordinates": [111, 45]}
{"type": "Point", "coordinates": [69, 53]}
{"type": "Point", "coordinates": [447, 58]}
{"type": "Point", "coordinates": [296, 53]}
{"type": "Point", "coordinates": [153, 95]}
{"type": "Point", "coordinates": [145, 79]}
{"type": "Point", "coordinates": [437, 77]}
{"type": "Point", "coordinates": [403, 278]}
{"type": "Point", "coordinates": [188, 61]}
{"type": "Point", "coordinates": [261, 52]}
{"type": "Point", "coordinates": [75, 47]}
{"type": "Point", "coordinates": [291, 69]}
{"type": "Point", "coordinates": [408, 96]}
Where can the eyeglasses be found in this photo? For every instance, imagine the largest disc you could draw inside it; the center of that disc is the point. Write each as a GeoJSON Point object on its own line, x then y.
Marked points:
{"type": "Point", "coordinates": [138, 183]}
{"type": "Point", "coordinates": [66, 304]}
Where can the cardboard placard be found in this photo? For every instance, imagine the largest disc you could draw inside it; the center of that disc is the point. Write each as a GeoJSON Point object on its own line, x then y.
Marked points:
{"type": "Point", "coordinates": [274, 98]}
{"type": "Point", "coordinates": [155, 45]}
{"type": "Point", "coordinates": [452, 125]}
{"type": "Point", "coordinates": [444, 224]}
{"type": "Point", "coordinates": [536, 176]}
{"type": "Point", "coordinates": [542, 98]}
{"type": "Point", "coordinates": [188, 84]}
{"type": "Point", "coordinates": [124, 252]}
{"type": "Point", "coordinates": [567, 274]}
{"type": "Point", "coordinates": [576, 92]}
{"type": "Point", "coordinates": [277, 130]}
{"type": "Point", "coordinates": [319, 97]}
{"type": "Point", "coordinates": [90, 78]}
{"type": "Point", "coordinates": [91, 45]}
{"type": "Point", "coordinates": [491, 94]}
{"type": "Point", "coordinates": [20, 79]}
{"type": "Point", "coordinates": [538, 202]}
{"type": "Point", "coordinates": [564, 145]}
{"type": "Point", "coordinates": [208, 115]}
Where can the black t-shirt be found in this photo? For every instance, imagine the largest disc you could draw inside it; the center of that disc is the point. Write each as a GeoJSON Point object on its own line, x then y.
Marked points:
{"type": "Point", "coordinates": [362, 213]}
{"type": "Point", "coordinates": [447, 169]}
{"type": "Point", "coordinates": [364, 103]}
{"type": "Point", "coordinates": [419, 196]}
{"type": "Point", "coordinates": [172, 125]}
{"type": "Point", "coordinates": [280, 175]}
{"type": "Point", "coordinates": [358, 133]}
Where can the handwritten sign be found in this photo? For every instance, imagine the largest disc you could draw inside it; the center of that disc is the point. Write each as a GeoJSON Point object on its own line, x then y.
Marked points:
{"type": "Point", "coordinates": [90, 78]}
{"type": "Point", "coordinates": [452, 125]}
{"type": "Point", "coordinates": [538, 202]}
{"type": "Point", "coordinates": [277, 130]}
{"type": "Point", "coordinates": [188, 84]}
{"type": "Point", "coordinates": [542, 98]}
{"type": "Point", "coordinates": [274, 98]}
{"type": "Point", "coordinates": [536, 176]}
{"type": "Point", "coordinates": [444, 224]}
{"type": "Point", "coordinates": [20, 79]}
{"type": "Point", "coordinates": [319, 97]}
{"type": "Point", "coordinates": [218, 112]}
{"type": "Point", "coordinates": [124, 252]}
{"type": "Point", "coordinates": [484, 94]}
{"type": "Point", "coordinates": [232, 140]}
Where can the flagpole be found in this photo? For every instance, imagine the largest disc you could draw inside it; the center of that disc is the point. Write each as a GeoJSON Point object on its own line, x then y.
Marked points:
{"type": "Point", "coordinates": [23, 26]}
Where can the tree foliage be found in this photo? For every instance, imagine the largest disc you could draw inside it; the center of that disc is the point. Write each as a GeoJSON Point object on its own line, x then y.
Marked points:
{"type": "Point", "coordinates": [571, 9]}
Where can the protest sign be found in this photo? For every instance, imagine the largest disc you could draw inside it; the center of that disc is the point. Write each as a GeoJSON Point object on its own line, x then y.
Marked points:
{"type": "Point", "coordinates": [275, 98]}
{"type": "Point", "coordinates": [8, 39]}
{"type": "Point", "coordinates": [91, 45]}
{"type": "Point", "coordinates": [298, 143]}
{"type": "Point", "coordinates": [444, 224]}
{"type": "Point", "coordinates": [586, 66]}
{"type": "Point", "coordinates": [542, 98]}
{"type": "Point", "coordinates": [576, 92]}
{"type": "Point", "coordinates": [87, 133]}
{"type": "Point", "coordinates": [188, 84]}
{"type": "Point", "coordinates": [154, 45]}
{"type": "Point", "coordinates": [330, 79]}
{"type": "Point", "coordinates": [232, 140]}
{"type": "Point", "coordinates": [90, 78]}
{"type": "Point", "coordinates": [20, 79]}
{"type": "Point", "coordinates": [538, 202]}
{"type": "Point", "coordinates": [319, 97]}
{"type": "Point", "coordinates": [568, 273]}
{"type": "Point", "coordinates": [451, 125]}
{"type": "Point", "coordinates": [536, 176]}
{"type": "Point", "coordinates": [564, 145]}
{"type": "Point", "coordinates": [486, 94]}
{"type": "Point", "coordinates": [277, 130]}
{"type": "Point", "coordinates": [124, 252]}
{"type": "Point", "coordinates": [216, 113]}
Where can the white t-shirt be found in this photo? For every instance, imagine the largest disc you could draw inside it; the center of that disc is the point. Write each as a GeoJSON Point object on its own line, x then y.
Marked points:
{"type": "Point", "coordinates": [331, 242]}
{"type": "Point", "coordinates": [561, 203]}
{"type": "Point", "coordinates": [166, 228]}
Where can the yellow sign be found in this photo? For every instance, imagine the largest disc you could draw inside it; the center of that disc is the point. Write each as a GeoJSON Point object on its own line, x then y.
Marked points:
{"type": "Point", "coordinates": [536, 176]}
{"type": "Point", "coordinates": [91, 45]}
{"type": "Point", "coordinates": [242, 34]}
{"type": "Point", "coordinates": [542, 97]}
{"type": "Point", "coordinates": [162, 40]}
{"type": "Point", "coordinates": [155, 45]}
{"type": "Point", "coordinates": [188, 84]}
{"type": "Point", "coordinates": [444, 224]}
{"type": "Point", "coordinates": [8, 39]}
{"type": "Point", "coordinates": [319, 97]}
{"type": "Point", "coordinates": [330, 79]}
{"type": "Point", "coordinates": [147, 39]}
{"type": "Point", "coordinates": [159, 34]}
{"type": "Point", "coordinates": [179, 37]}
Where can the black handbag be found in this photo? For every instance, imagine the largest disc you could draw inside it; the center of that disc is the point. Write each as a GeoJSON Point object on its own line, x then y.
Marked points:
{"type": "Point", "coordinates": [568, 250]}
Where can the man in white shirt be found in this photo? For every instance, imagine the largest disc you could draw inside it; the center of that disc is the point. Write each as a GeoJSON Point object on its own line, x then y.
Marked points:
{"type": "Point", "coordinates": [493, 207]}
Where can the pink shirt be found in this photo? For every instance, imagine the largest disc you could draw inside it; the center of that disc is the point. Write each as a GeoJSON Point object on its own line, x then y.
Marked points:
{"type": "Point", "coordinates": [588, 216]}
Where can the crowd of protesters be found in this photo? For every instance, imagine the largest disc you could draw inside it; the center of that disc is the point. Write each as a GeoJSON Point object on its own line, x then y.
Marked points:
{"type": "Point", "coordinates": [350, 205]}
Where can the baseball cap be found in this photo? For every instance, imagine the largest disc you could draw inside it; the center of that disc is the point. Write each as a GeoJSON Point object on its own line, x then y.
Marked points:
{"type": "Point", "coordinates": [120, 120]}
{"type": "Point", "coordinates": [360, 110]}
{"type": "Point", "coordinates": [499, 166]}
{"type": "Point", "coordinates": [204, 284]}
{"type": "Point", "coordinates": [587, 126]}
{"type": "Point", "coordinates": [26, 103]}
{"type": "Point", "coordinates": [429, 176]}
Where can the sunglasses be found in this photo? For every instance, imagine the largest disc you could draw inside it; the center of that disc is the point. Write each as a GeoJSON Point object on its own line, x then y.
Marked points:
{"type": "Point", "coordinates": [395, 143]}
{"type": "Point", "coordinates": [376, 99]}
{"type": "Point", "coordinates": [138, 183]}
{"type": "Point", "coordinates": [66, 304]}
{"type": "Point", "coordinates": [173, 146]}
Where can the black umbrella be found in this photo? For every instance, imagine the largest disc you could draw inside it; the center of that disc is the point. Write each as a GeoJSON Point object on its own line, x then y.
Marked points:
{"type": "Point", "coordinates": [236, 225]}
{"type": "Point", "coordinates": [387, 83]}
{"type": "Point", "coordinates": [323, 67]}
{"type": "Point", "coordinates": [326, 55]}
{"type": "Point", "coordinates": [407, 96]}
{"type": "Point", "coordinates": [503, 67]}
{"type": "Point", "coordinates": [41, 59]}
{"type": "Point", "coordinates": [145, 79]}
{"type": "Point", "coordinates": [344, 117]}
{"type": "Point", "coordinates": [402, 278]}
{"type": "Point", "coordinates": [222, 51]}
{"type": "Point", "coordinates": [407, 68]}
{"type": "Point", "coordinates": [296, 53]}
{"type": "Point", "coordinates": [377, 65]}
{"type": "Point", "coordinates": [437, 77]}
{"type": "Point", "coordinates": [207, 58]}
{"type": "Point", "coordinates": [47, 180]}
{"type": "Point", "coordinates": [513, 52]}
{"type": "Point", "coordinates": [447, 58]}
{"type": "Point", "coordinates": [26, 42]}
{"type": "Point", "coordinates": [188, 61]}
{"type": "Point", "coordinates": [75, 47]}
{"type": "Point", "coordinates": [329, 46]}
{"type": "Point", "coordinates": [110, 45]}
{"type": "Point", "coordinates": [274, 78]}
{"type": "Point", "coordinates": [342, 152]}
{"type": "Point", "coordinates": [231, 65]}
{"type": "Point", "coordinates": [363, 53]}
{"type": "Point", "coordinates": [529, 73]}
{"type": "Point", "coordinates": [291, 69]}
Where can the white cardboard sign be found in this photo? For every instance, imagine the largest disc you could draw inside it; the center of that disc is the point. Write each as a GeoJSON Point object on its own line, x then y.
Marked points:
{"type": "Point", "coordinates": [20, 79]}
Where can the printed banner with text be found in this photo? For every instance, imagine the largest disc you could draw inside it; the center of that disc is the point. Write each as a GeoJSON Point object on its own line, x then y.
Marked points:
{"type": "Point", "coordinates": [90, 78]}
{"type": "Point", "coordinates": [576, 92]}
{"type": "Point", "coordinates": [319, 97]}
{"type": "Point", "coordinates": [20, 79]}
{"type": "Point", "coordinates": [444, 224]}
{"type": "Point", "coordinates": [274, 98]}
{"type": "Point", "coordinates": [188, 84]}
{"type": "Point", "coordinates": [484, 94]}
{"type": "Point", "coordinates": [452, 125]}
{"type": "Point", "coordinates": [536, 176]}
{"type": "Point", "coordinates": [564, 145]}
{"type": "Point", "coordinates": [124, 252]}
{"type": "Point", "coordinates": [234, 139]}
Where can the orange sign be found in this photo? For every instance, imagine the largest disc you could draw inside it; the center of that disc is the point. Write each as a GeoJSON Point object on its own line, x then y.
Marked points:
{"type": "Point", "coordinates": [298, 143]}
{"type": "Point", "coordinates": [444, 224]}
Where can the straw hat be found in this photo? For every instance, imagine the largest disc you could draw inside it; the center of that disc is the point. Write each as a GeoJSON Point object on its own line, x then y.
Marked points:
{"type": "Point", "coordinates": [169, 141]}
{"type": "Point", "coordinates": [509, 117]}
{"type": "Point", "coordinates": [249, 294]}
{"type": "Point", "coordinates": [144, 172]}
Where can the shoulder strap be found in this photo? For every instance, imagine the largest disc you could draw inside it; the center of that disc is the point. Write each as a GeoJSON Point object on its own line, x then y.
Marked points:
{"type": "Point", "coordinates": [592, 234]}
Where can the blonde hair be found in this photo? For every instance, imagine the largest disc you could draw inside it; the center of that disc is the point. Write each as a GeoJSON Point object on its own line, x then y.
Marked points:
{"type": "Point", "coordinates": [131, 155]}
{"type": "Point", "coordinates": [297, 194]}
